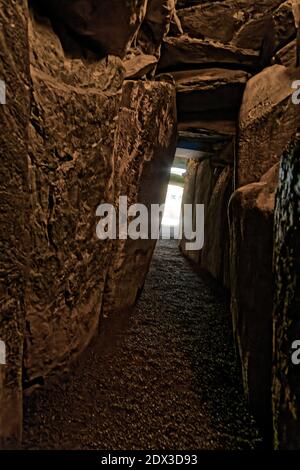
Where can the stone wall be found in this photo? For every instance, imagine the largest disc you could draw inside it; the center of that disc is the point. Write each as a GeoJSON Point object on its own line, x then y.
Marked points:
{"type": "Point", "coordinates": [71, 135]}
{"type": "Point", "coordinates": [143, 153]}
{"type": "Point", "coordinates": [253, 105]}
{"type": "Point", "coordinates": [251, 213]}
{"type": "Point", "coordinates": [211, 185]}
{"type": "Point", "coordinates": [286, 322]}
{"type": "Point", "coordinates": [14, 223]}
{"type": "Point", "coordinates": [268, 122]}
{"type": "Point", "coordinates": [70, 141]}
{"type": "Point", "coordinates": [89, 28]}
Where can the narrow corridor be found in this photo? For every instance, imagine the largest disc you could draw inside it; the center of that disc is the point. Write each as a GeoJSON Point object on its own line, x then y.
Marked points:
{"type": "Point", "coordinates": [165, 378]}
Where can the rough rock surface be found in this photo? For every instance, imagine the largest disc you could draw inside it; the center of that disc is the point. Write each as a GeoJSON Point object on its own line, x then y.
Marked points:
{"type": "Point", "coordinates": [137, 66]}
{"type": "Point", "coordinates": [209, 94]}
{"type": "Point", "coordinates": [215, 253]}
{"type": "Point", "coordinates": [286, 324]}
{"type": "Point", "coordinates": [189, 197]}
{"type": "Point", "coordinates": [14, 226]}
{"type": "Point", "coordinates": [86, 25]}
{"type": "Point", "coordinates": [156, 24]}
{"type": "Point", "coordinates": [144, 150]}
{"type": "Point", "coordinates": [242, 22]}
{"type": "Point", "coordinates": [212, 20]}
{"type": "Point", "coordinates": [284, 28]}
{"type": "Point", "coordinates": [183, 51]}
{"type": "Point", "coordinates": [73, 111]}
{"type": "Point", "coordinates": [264, 26]}
{"type": "Point", "coordinates": [219, 126]}
{"type": "Point", "coordinates": [251, 213]}
{"type": "Point", "coordinates": [268, 119]}
{"type": "Point", "coordinates": [287, 56]}
{"type": "Point", "coordinates": [296, 11]}
{"type": "Point", "coordinates": [77, 148]}
{"type": "Point", "coordinates": [209, 184]}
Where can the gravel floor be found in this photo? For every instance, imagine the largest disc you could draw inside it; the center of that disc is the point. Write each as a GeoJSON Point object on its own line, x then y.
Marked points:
{"type": "Point", "coordinates": [164, 377]}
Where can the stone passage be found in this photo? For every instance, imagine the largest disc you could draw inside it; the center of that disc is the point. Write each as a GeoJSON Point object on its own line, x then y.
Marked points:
{"type": "Point", "coordinates": [100, 95]}
{"type": "Point", "coordinates": [166, 379]}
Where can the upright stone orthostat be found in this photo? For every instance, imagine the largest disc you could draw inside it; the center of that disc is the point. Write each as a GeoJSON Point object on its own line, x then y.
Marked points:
{"type": "Point", "coordinates": [286, 320]}
{"type": "Point", "coordinates": [72, 123]}
{"type": "Point", "coordinates": [251, 212]}
{"type": "Point", "coordinates": [144, 152]}
{"type": "Point", "coordinates": [14, 225]}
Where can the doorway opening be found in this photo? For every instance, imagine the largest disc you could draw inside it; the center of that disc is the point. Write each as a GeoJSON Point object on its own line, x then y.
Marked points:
{"type": "Point", "coordinates": [172, 210]}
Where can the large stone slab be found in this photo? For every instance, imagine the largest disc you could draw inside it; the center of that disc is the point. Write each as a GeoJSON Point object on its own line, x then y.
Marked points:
{"type": "Point", "coordinates": [264, 26]}
{"type": "Point", "coordinates": [200, 181]}
{"type": "Point", "coordinates": [228, 128]}
{"type": "Point", "coordinates": [287, 56]}
{"type": "Point", "coordinates": [73, 113]}
{"type": "Point", "coordinates": [243, 23]}
{"type": "Point", "coordinates": [190, 195]}
{"type": "Point", "coordinates": [183, 51]}
{"type": "Point", "coordinates": [284, 27]}
{"type": "Point", "coordinates": [209, 94]}
{"type": "Point", "coordinates": [215, 253]}
{"type": "Point", "coordinates": [156, 24]}
{"type": "Point", "coordinates": [104, 27]}
{"type": "Point", "coordinates": [144, 150]}
{"type": "Point", "coordinates": [268, 29]}
{"type": "Point", "coordinates": [140, 65]}
{"type": "Point", "coordinates": [251, 214]}
{"type": "Point", "coordinates": [211, 20]}
{"type": "Point", "coordinates": [14, 223]}
{"type": "Point", "coordinates": [268, 119]}
{"type": "Point", "coordinates": [211, 184]}
{"type": "Point", "coordinates": [286, 321]}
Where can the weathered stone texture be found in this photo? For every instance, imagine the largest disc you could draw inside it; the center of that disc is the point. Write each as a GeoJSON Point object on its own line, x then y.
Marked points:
{"type": "Point", "coordinates": [287, 56]}
{"type": "Point", "coordinates": [209, 94]}
{"type": "Point", "coordinates": [251, 213]}
{"type": "Point", "coordinates": [284, 24]}
{"type": "Point", "coordinates": [144, 151]}
{"type": "Point", "coordinates": [212, 186]}
{"type": "Point", "coordinates": [156, 24]}
{"type": "Point", "coordinates": [73, 135]}
{"type": "Point", "coordinates": [259, 25]}
{"type": "Point", "coordinates": [215, 253]}
{"type": "Point", "coordinates": [140, 65]}
{"type": "Point", "coordinates": [183, 51]}
{"type": "Point", "coordinates": [286, 321]}
{"type": "Point", "coordinates": [190, 195]}
{"type": "Point", "coordinates": [268, 119]}
{"type": "Point", "coordinates": [73, 111]}
{"type": "Point", "coordinates": [14, 118]}
{"type": "Point", "coordinates": [296, 11]}
{"type": "Point", "coordinates": [103, 27]}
